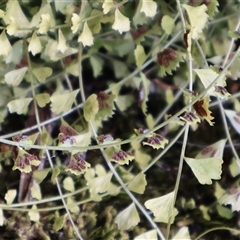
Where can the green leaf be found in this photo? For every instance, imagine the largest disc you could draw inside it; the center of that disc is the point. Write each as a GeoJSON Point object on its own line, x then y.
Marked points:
{"type": "Point", "coordinates": [59, 222]}
{"type": "Point", "coordinates": [105, 106]}
{"type": "Point", "coordinates": [149, 235]}
{"type": "Point", "coordinates": [63, 102]}
{"type": "Point", "coordinates": [72, 206]}
{"type": "Point", "coordinates": [145, 92]}
{"type": "Point", "coordinates": [161, 208]}
{"type": "Point", "coordinates": [183, 233]}
{"type": "Point", "coordinates": [2, 13]}
{"type": "Point", "coordinates": [15, 55]}
{"type": "Point", "coordinates": [86, 36]}
{"type": "Point", "coordinates": [205, 213]}
{"type": "Point", "coordinates": [42, 73]}
{"type": "Point", "coordinates": [121, 23]}
{"type": "Point", "coordinates": [55, 172]}
{"type": "Point", "coordinates": [62, 46]}
{"type": "Point", "coordinates": [198, 19]}
{"type": "Point", "coordinates": [34, 44]}
{"type": "Point", "coordinates": [206, 169]}
{"type": "Point", "coordinates": [39, 175]}
{"type": "Point", "coordinates": [33, 214]}
{"type": "Point", "coordinates": [97, 65]}
{"type": "Point", "coordinates": [235, 34]}
{"type": "Point", "coordinates": [36, 191]}
{"type": "Point", "coordinates": [125, 101]}
{"type": "Point", "coordinates": [42, 99]}
{"type": "Point", "coordinates": [10, 196]}
{"type": "Point", "coordinates": [51, 51]}
{"type": "Point", "coordinates": [167, 24]}
{"type": "Point", "coordinates": [90, 107]}
{"type": "Point", "coordinates": [224, 212]}
{"type": "Point", "coordinates": [234, 167]}
{"type": "Point", "coordinates": [138, 184]}
{"type": "Point", "coordinates": [168, 63]}
{"type": "Point", "coordinates": [14, 77]}
{"type": "Point", "coordinates": [95, 23]}
{"type": "Point", "coordinates": [127, 218]}
{"type": "Point", "coordinates": [83, 139]}
{"type": "Point", "coordinates": [19, 106]}
{"type": "Point", "coordinates": [149, 8]}
{"type": "Point", "coordinates": [107, 5]}
{"type": "Point", "coordinates": [140, 55]}
{"type": "Point", "coordinates": [212, 8]}
{"type": "Point", "coordinates": [99, 184]}
{"type": "Point", "coordinates": [73, 68]}
{"type": "Point", "coordinates": [120, 69]}
{"type": "Point", "coordinates": [207, 76]}
{"type": "Point", "coordinates": [142, 158]}
{"type": "Point", "coordinates": [234, 118]}
{"type": "Point", "coordinates": [139, 17]}
{"type": "Point", "coordinates": [68, 184]}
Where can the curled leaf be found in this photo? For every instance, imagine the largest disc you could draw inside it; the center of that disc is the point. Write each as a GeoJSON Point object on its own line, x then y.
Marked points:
{"type": "Point", "coordinates": [121, 157]}
{"type": "Point", "coordinates": [221, 92]}
{"type": "Point", "coordinates": [156, 141]}
{"type": "Point", "coordinates": [77, 165]}
{"type": "Point", "coordinates": [24, 161]}
{"type": "Point", "coordinates": [190, 118]}
{"type": "Point", "coordinates": [201, 108]}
